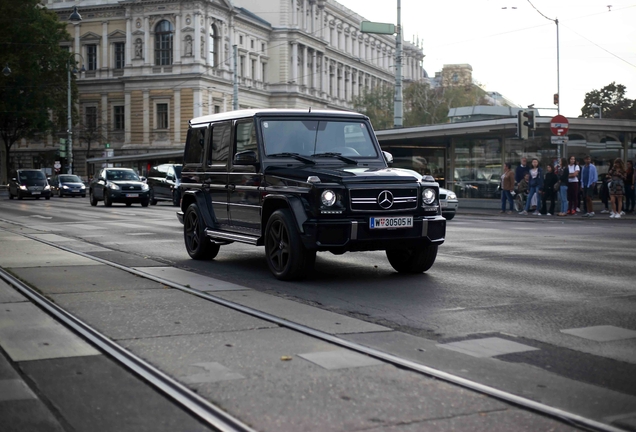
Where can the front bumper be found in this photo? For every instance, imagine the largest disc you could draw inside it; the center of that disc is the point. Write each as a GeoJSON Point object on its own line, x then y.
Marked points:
{"type": "Point", "coordinates": [34, 194]}
{"type": "Point", "coordinates": [126, 197]}
{"type": "Point", "coordinates": [356, 235]}
{"type": "Point", "coordinates": [180, 216]}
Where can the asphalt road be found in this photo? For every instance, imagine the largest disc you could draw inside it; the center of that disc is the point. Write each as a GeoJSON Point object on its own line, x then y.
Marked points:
{"type": "Point", "coordinates": [531, 280]}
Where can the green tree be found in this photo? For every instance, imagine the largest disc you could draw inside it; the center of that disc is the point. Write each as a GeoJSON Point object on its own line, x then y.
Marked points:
{"type": "Point", "coordinates": [612, 101]}
{"type": "Point", "coordinates": [377, 104]}
{"type": "Point", "coordinates": [33, 96]}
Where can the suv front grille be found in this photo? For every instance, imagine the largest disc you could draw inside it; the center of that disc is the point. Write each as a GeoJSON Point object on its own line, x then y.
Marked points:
{"type": "Point", "coordinates": [371, 199]}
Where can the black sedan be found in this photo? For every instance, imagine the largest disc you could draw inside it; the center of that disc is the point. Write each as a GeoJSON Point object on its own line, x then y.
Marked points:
{"type": "Point", "coordinates": [119, 185]}
{"type": "Point", "coordinates": [67, 185]}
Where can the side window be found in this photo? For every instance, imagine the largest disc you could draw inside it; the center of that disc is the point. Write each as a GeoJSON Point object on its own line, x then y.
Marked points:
{"type": "Point", "coordinates": [245, 137]}
{"type": "Point", "coordinates": [194, 146]}
{"type": "Point", "coordinates": [221, 138]}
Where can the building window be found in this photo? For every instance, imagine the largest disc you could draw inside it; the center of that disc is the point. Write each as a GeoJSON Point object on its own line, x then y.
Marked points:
{"type": "Point", "coordinates": [253, 71]}
{"type": "Point", "coordinates": [262, 47]}
{"type": "Point", "coordinates": [217, 109]}
{"type": "Point", "coordinates": [240, 40]}
{"type": "Point", "coordinates": [242, 66]}
{"type": "Point", "coordinates": [118, 118]}
{"type": "Point", "coordinates": [120, 58]}
{"type": "Point", "coordinates": [163, 43]}
{"type": "Point", "coordinates": [252, 44]}
{"type": "Point", "coordinates": [90, 118]}
{"type": "Point", "coordinates": [162, 115]}
{"type": "Point", "coordinates": [263, 70]}
{"type": "Point", "coordinates": [214, 36]}
{"type": "Point", "coordinates": [91, 57]}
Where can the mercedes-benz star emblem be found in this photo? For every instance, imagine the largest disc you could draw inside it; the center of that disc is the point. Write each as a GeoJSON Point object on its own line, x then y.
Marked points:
{"type": "Point", "coordinates": [385, 199]}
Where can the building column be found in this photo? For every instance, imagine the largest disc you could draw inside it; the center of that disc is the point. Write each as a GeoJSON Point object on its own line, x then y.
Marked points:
{"type": "Point", "coordinates": [177, 115]}
{"type": "Point", "coordinates": [347, 84]}
{"type": "Point", "coordinates": [341, 79]}
{"type": "Point", "coordinates": [197, 37]}
{"type": "Point", "coordinates": [304, 66]}
{"type": "Point", "coordinates": [176, 43]}
{"type": "Point", "coordinates": [127, 118]}
{"type": "Point", "coordinates": [105, 49]}
{"type": "Point", "coordinates": [294, 61]}
{"type": "Point", "coordinates": [356, 84]}
{"type": "Point", "coordinates": [325, 74]}
{"type": "Point", "coordinates": [314, 69]}
{"type": "Point", "coordinates": [147, 49]}
{"type": "Point", "coordinates": [104, 124]}
{"type": "Point", "coordinates": [209, 42]}
{"type": "Point", "coordinates": [129, 42]}
{"type": "Point", "coordinates": [294, 12]}
{"type": "Point", "coordinates": [198, 102]}
{"type": "Point", "coordinates": [321, 22]}
{"type": "Point", "coordinates": [146, 116]}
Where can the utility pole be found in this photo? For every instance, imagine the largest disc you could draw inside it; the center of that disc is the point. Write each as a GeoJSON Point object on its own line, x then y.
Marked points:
{"type": "Point", "coordinates": [235, 103]}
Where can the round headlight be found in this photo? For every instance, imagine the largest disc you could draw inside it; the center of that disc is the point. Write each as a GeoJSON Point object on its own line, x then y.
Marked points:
{"type": "Point", "coordinates": [428, 196]}
{"type": "Point", "coordinates": [328, 198]}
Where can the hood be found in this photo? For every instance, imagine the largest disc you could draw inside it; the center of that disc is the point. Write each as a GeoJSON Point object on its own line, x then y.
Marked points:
{"type": "Point", "coordinates": [71, 183]}
{"type": "Point", "coordinates": [347, 174]}
{"type": "Point", "coordinates": [127, 182]}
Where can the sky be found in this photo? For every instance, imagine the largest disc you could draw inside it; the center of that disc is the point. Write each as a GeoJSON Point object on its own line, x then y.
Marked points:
{"type": "Point", "coordinates": [512, 48]}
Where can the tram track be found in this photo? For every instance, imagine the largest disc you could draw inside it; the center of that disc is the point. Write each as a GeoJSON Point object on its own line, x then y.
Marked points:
{"type": "Point", "coordinates": [215, 416]}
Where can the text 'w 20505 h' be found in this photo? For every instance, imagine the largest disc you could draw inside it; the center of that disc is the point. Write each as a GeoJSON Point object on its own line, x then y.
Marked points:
{"type": "Point", "coordinates": [299, 182]}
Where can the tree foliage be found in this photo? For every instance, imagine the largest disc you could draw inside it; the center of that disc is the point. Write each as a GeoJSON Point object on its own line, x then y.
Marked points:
{"type": "Point", "coordinates": [612, 101]}
{"type": "Point", "coordinates": [33, 95]}
{"type": "Point", "coordinates": [423, 104]}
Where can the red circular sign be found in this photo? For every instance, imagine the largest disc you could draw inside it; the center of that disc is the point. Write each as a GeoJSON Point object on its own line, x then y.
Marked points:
{"type": "Point", "coordinates": [559, 125]}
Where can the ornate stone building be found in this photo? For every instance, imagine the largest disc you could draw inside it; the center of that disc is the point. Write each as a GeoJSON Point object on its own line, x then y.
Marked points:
{"type": "Point", "coordinates": [148, 66]}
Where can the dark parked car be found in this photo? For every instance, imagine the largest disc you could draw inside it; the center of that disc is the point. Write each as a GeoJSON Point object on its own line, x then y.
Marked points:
{"type": "Point", "coordinates": [298, 182]}
{"type": "Point", "coordinates": [67, 185]}
{"type": "Point", "coordinates": [118, 185]}
{"type": "Point", "coordinates": [29, 183]}
{"type": "Point", "coordinates": [164, 182]}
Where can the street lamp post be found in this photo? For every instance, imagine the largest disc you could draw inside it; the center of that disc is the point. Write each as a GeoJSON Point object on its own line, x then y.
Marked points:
{"type": "Point", "coordinates": [74, 17]}
{"type": "Point", "coordinates": [600, 110]}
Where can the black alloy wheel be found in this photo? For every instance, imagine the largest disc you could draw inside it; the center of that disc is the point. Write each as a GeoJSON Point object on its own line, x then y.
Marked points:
{"type": "Point", "coordinates": [176, 197]}
{"type": "Point", "coordinates": [107, 200]}
{"type": "Point", "coordinates": [415, 260]}
{"type": "Point", "coordinates": [197, 244]}
{"type": "Point", "coordinates": [287, 257]}
{"type": "Point", "coordinates": [92, 198]}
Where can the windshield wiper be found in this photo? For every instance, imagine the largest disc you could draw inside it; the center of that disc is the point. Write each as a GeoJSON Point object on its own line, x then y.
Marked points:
{"type": "Point", "coordinates": [294, 156]}
{"type": "Point", "coordinates": [337, 156]}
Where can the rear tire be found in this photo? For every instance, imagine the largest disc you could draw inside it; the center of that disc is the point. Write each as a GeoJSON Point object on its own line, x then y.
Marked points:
{"type": "Point", "coordinates": [197, 244]}
{"type": "Point", "coordinates": [145, 203]}
{"type": "Point", "coordinates": [153, 201]}
{"type": "Point", "coordinates": [92, 198]}
{"type": "Point", "coordinates": [287, 257]}
{"type": "Point", "coordinates": [416, 260]}
{"type": "Point", "coordinates": [10, 195]}
{"type": "Point", "coordinates": [176, 197]}
{"type": "Point", "coordinates": [107, 201]}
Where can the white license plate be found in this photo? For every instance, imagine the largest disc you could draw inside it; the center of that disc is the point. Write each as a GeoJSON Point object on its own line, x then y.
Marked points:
{"type": "Point", "coordinates": [444, 204]}
{"type": "Point", "coordinates": [36, 193]}
{"type": "Point", "coordinates": [391, 222]}
{"type": "Point", "coordinates": [132, 195]}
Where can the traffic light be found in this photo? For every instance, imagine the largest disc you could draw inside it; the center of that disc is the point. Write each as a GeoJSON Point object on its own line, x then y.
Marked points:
{"type": "Point", "coordinates": [529, 122]}
{"type": "Point", "coordinates": [522, 126]}
{"type": "Point", "coordinates": [62, 147]}
{"type": "Point", "coordinates": [556, 99]}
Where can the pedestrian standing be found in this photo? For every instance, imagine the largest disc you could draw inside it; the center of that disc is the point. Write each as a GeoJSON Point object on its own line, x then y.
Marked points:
{"type": "Point", "coordinates": [521, 170]}
{"type": "Point", "coordinates": [573, 185]}
{"type": "Point", "coordinates": [564, 176]}
{"type": "Point", "coordinates": [588, 183]}
{"type": "Point", "coordinates": [549, 191]}
{"type": "Point", "coordinates": [630, 193]}
{"type": "Point", "coordinates": [604, 193]}
{"type": "Point", "coordinates": [507, 186]}
{"type": "Point", "coordinates": [617, 187]}
{"type": "Point", "coordinates": [536, 183]}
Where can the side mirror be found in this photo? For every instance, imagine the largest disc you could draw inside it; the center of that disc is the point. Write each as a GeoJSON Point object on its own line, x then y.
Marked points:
{"type": "Point", "coordinates": [247, 157]}
{"type": "Point", "coordinates": [388, 157]}
{"type": "Point", "coordinates": [143, 179]}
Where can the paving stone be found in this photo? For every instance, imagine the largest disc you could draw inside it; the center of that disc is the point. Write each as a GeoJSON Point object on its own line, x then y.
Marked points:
{"type": "Point", "coordinates": [15, 389]}
{"type": "Point", "coordinates": [126, 259]}
{"type": "Point", "coordinates": [8, 294]}
{"type": "Point", "coordinates": [27, 416]}
{"type": "Point", "coordinates": [99, 277]}
{"type": "Point", "coordinates": [208, 372]}
{"type": "Point", "coordinates": [191, 279]}
{"type": "Point", "coordinates": [340, 359]}
{"type": "Point", "coordinates": [27, 333]}
{"type": "Point", "coordinates": [29, 253]}
{"type": "Point", "coordinates": [605, 333]}
{"type": "Point", "coordinates": [487, 347]}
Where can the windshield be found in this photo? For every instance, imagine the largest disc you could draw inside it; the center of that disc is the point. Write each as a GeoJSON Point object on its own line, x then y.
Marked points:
{"type": "Point", "coordinates": [70, 179]}
{"type": "Point", "coordinates": [121, 175]}
{"type": "Point", "coordinates": [177, 169]}
{"type": "Point", "coordinates": [32, 177]}
{"type": "Point", "coordinates": [316, 137]}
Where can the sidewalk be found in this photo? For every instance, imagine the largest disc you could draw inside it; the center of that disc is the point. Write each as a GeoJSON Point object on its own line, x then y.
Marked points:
{"type": "Point", "coordinates": [270, 377]}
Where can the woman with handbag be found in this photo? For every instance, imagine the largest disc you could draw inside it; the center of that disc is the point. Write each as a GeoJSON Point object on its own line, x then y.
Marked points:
{"type": "Point", "coordinates": [564, 175]}
{"type": "Point", "coordinates": [507, 186]}
{"type": "Point", "coordinates": [617, 187]}
{"type": "Point", "coordinates": [550, 188]}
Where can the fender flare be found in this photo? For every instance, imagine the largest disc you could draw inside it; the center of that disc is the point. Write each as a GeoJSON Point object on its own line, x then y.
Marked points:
{"type": "Point", "coordinates": [294, 203]}
{"type": "Point", "coordinates": [198, 197]}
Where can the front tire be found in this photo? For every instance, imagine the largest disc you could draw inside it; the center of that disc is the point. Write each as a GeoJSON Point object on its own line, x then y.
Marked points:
{"type": "Point", "coordinates": [144, 203]}
{"type": "Point", "coordinates": [287, 257]}
{"type": "Point", "coordinates": [415, 260]}
{"type": "Point", "coordinates": [10, 195]}
{"type": "Point", "coordinates": [197, 244]}
{"type": "Point", "coordinates": [107, 200]}
{"type": "Point", "coordinates": [176, 198]}
{"type": "Point", "coordinates": [153, 201]}
{"type": "Point", "coordinates": [448, 216]}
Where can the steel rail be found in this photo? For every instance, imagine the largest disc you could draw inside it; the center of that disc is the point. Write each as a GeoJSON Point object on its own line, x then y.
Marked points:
{"type": "Point", "coordinates": [562, 415]}
{"type": "Point", "coordinates": [208, 413]}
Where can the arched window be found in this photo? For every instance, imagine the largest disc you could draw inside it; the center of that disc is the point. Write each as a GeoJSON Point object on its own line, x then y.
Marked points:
{"type": "Point", "coordinates": [214, 45]}
{"type": "Point", "coordinates": [163, 43]}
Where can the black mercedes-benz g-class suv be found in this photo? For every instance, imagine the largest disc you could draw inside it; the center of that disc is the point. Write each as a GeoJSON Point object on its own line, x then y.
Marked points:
{"type": "Point", "coordinates": [298, 182]}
